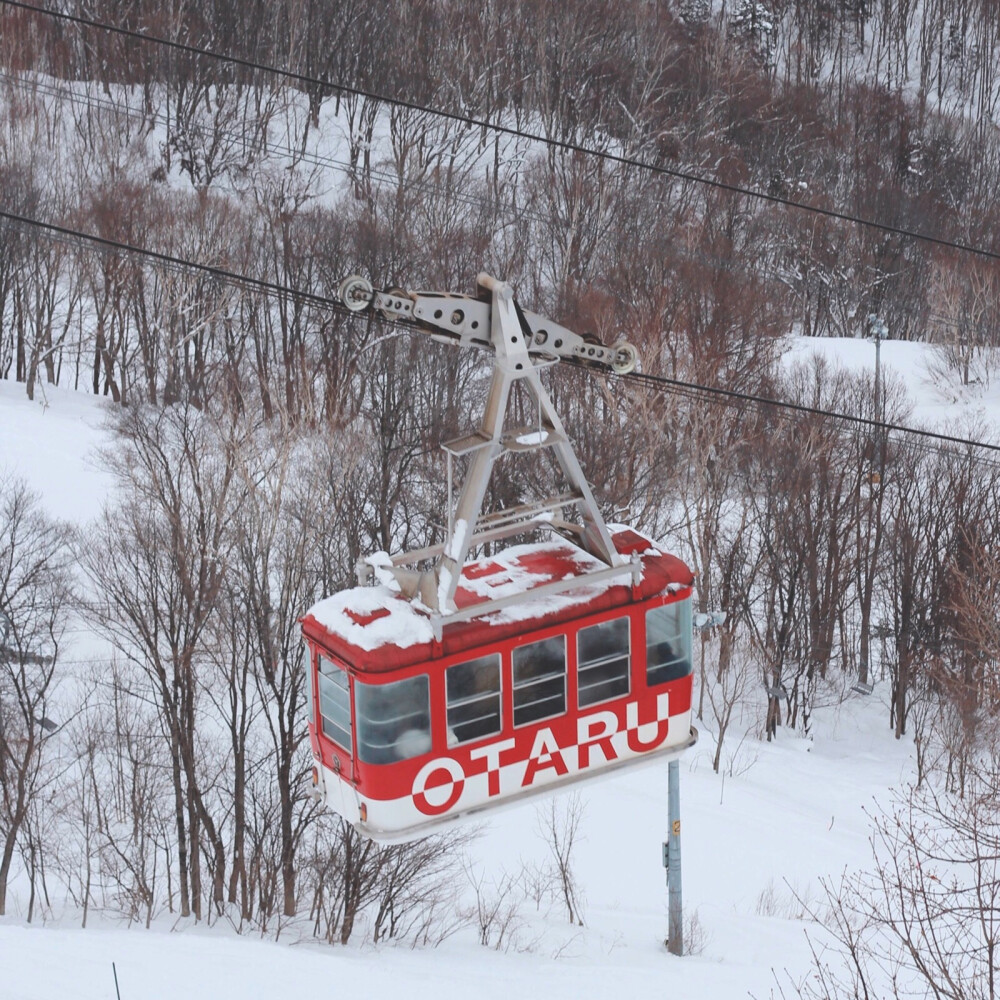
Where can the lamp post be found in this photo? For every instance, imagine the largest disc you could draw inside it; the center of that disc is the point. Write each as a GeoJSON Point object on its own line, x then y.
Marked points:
{"type": "Point", "coordinates": [878, 333]}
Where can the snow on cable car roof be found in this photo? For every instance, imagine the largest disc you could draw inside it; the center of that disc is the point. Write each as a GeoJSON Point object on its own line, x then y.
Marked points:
{"type": "Point", "coordinates": [375, 629]}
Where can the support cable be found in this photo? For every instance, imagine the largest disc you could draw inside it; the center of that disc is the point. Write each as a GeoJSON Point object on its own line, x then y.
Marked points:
{"type": "Point", "coordinates": [66, 233]}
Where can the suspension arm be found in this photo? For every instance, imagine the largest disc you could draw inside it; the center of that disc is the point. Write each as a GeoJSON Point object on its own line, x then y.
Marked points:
{"type": "Point", "coordinates": [465, 319]}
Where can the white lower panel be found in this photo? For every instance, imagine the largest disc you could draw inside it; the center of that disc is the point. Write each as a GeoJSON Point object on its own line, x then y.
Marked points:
{"type": "Point", "coordinates": [450, 786]}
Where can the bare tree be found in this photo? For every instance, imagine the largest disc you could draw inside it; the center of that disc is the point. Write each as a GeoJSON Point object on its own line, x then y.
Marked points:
{"type": "Point", "coordinates": [964, 299]}
{"type": "Point", "coordinates": [925, 919]}
{"type": "Point", "coordinates": [559, 826]}
{"type": "Point", "coordinates": [158, 564]}
{"type": "Point", "coordinates": [496, 912]}
{"type": "Point", "coordinates": [34, 591]}
{"type": "Point", "coordinates": [728, 692]}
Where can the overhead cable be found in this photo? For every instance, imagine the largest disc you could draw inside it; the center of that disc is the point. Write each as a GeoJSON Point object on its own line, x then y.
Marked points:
{"type": "Point", "coordinates": [327, 302]}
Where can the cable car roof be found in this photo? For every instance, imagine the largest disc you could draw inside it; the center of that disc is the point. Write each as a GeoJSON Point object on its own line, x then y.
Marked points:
{"type": "Point", "coordinates": [374, 629]}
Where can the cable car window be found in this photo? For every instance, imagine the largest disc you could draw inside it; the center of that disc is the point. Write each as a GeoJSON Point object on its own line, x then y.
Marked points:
{"type": "Point", "coordinates": [668, 643]}
{"type": "Point", "coordinates": [473, 699]}
{"type": "Point", "coordinates": [539, 680]}
{"type": "Point", "coordinates": [335, 703]}
{"type": "Point", "coordinates": [602, 656]}
{"type": "Point", "coordinates": [307, 667]}
{"type": "Point", "coordinates": [394, 720]}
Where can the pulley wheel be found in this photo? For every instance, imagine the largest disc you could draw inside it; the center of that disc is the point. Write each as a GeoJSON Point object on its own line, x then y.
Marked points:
{"type": "Point", "coordinates": [626, 358]}
{"type": "Point", "coordinates": [355, 292]}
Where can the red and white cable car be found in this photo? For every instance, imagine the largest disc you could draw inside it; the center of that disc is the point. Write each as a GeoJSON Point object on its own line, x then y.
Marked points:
{"type": "Point", "coordinates": [439, 692]}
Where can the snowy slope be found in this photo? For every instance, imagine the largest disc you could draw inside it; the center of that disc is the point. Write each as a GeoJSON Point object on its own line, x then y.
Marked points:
{"type": "Point", "coordinates": [940, 403]}
{"type": "Point", "coordinates": [51, 443]}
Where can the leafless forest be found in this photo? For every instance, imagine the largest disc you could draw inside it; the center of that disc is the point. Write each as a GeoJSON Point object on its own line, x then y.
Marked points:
{"type": "Point", "coordinates": [264, 442]}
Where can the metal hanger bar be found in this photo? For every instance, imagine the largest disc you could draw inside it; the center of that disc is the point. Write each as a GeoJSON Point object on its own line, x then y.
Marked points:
{"type": "Point", "coordinates": [438, 621]}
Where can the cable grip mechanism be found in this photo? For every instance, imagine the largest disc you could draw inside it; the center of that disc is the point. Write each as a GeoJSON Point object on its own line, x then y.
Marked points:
{"type": "Point", "coordinates": [355, 292]}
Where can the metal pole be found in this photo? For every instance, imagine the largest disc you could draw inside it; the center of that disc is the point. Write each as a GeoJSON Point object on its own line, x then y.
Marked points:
{"type": "Point", "coordinates": [451, 508]}
{"type": "Point", "coordinates": [882, 331]}
{"type": "Point", "coordinates": [675, 935]}
{"type": "Point", "coordinates": [879, 330]}
{"type": "Point", "coordinates": [878, 381]}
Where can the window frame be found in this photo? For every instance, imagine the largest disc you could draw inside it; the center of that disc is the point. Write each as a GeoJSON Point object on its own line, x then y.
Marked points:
{"type": "Point", "coordinates": [515, 687]}
{"type": "Point", "coordinates": [361, 720]}
{"type": "Point", "coordinates": [322, 675]}
{"type": "Point", "coordinates": [683, 635]}
{"type": "Point", "coordinates": [470, 699]}
{"type": "Point", "coordinates": [308, 659]}
{"type": "Point", "coordinates": [592, 663]}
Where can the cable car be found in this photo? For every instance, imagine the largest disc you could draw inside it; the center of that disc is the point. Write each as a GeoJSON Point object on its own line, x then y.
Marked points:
{"type": "Point", "coordinates": [444, 685]}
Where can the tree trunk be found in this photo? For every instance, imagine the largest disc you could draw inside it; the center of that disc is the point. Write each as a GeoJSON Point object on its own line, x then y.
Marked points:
{"type": "Point", "coordinates": [182, 853]}
{"type": "Point", "coordinates": [287, 840]}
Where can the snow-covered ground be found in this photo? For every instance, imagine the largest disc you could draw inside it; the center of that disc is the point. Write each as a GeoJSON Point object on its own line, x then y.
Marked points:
{"type": "Point", "coordinates": [939, 401]}
{"type": "Point", "coordinates": [789, 813]}
{"type": "Point", "coordinates": [52, 443]}
{"type": "Point", "coordinates": [781, 816]}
